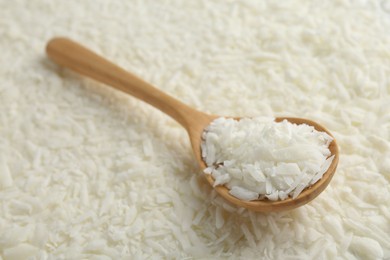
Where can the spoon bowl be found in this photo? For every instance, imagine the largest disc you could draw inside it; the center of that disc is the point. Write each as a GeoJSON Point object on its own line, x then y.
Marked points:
{"type": "Point", "coordinates": [72, 55]}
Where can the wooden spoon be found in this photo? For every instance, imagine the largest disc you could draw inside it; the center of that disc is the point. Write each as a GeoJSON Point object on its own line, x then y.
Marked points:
{"type": "Point", "coordinates": [78, 58]}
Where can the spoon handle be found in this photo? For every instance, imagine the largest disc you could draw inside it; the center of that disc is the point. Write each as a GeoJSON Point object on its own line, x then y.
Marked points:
{"type": "Point", "coordinates": [72, 55]}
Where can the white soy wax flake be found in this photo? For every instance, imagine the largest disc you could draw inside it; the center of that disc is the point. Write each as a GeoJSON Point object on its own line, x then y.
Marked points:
{"type": "Point", "coordinates": [208, 170]}
{"type": "Point", "coordinates": [243, 193]}
{"type": "Point", "coordinates": [260, 158]}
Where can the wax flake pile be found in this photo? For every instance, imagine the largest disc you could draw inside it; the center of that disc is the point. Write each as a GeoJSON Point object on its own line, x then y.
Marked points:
{"type": "Point", "coordinates": [259, 158]}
